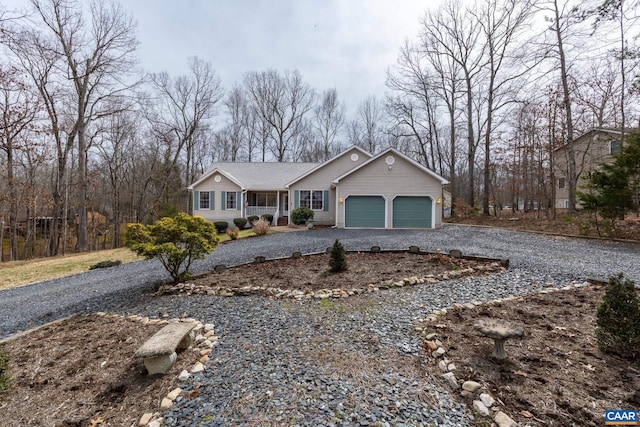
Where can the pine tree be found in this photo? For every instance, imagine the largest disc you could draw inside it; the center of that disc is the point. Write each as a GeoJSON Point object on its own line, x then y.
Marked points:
{"type": "Point", "coordinates": [338, 260]}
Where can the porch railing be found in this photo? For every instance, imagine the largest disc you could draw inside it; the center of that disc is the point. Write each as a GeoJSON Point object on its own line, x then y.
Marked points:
{"type": "Point", "coordinates": [261, 210]}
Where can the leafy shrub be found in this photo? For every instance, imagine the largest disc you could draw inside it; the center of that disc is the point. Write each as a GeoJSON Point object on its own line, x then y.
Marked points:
{"type": "Point", "coordinates": [4, 371]}
{"type": "Point", "coordinates": [252, 219]}
{"type": "Point", "coordinates": [221, 226]}
{"type": "Point", "coordinates": [105, 264]}
{"type": "Point", "coordinates": [261, 227]}
{"type": "Point", "coordinates": [338, 259]}
{"type": "Point", "coordinates": [233, 233]}
{"type": "Point", "coordinates": [240, 222]}
{"type": "Point", "coordinates": [267, 217]}
{"type": "Point", "coordinates": [176, 242]}
{"type": "Point", "coordinates": [301, 215]}
{"type": "Point", "coordinates": [618, 318]}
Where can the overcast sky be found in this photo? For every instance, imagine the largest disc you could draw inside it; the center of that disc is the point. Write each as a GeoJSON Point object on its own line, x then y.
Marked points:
{"type": "Point", "coordinates": [346, 44]}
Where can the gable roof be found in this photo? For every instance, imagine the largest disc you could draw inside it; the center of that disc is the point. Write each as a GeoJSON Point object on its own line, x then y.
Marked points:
{"type": "Point", "coordinates": [613, 132]}
{"type": "Point", "coordinates": [257, 175]}
{"type": "Point", "coordinates": [396, 153]}
{"type": "Point", "coordinates": [321, 165]}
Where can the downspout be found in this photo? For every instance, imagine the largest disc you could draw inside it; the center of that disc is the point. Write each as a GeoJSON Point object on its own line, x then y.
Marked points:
{"type": "Point", "coordinates": [335, 219]}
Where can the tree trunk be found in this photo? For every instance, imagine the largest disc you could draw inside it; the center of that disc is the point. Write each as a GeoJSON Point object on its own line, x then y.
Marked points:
{"type": "Point", "coordinates": [571, 158]}
{"type": "Point", "coordinates": [83, 235]}
{"type": "Point", "coordinates": [472, 145]}
{"type": "Point", "coordinates": [13, 210]}
{"type": "Point", "coordinates": [452, 186]}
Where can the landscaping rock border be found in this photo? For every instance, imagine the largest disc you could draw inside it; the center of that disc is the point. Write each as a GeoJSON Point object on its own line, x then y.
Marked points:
{"type": "Point", "coordinates": [203, 342]}
{"type": "Point", "coordinates": [483, 402]}
{"type": "Point", "coordinates": [494, 265]}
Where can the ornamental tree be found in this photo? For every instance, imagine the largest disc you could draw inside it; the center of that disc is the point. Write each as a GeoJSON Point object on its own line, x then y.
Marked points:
{"type": "Point", "coordinates": [176, 241]}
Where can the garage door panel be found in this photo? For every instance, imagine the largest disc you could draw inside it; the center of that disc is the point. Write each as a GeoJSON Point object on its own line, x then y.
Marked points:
{"type": "Point", "coordinates": [412, 212]}
{"type": "Point", "coordinates": [365, 211]}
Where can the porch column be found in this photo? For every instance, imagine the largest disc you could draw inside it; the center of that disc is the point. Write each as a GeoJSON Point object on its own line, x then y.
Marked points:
{"type": "Point", "coordinates": [278, 204]}
{"type": "Point", "coordinates": [243, 206]}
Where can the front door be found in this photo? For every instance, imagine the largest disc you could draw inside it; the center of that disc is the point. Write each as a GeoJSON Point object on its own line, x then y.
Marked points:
{"type": "Point", "coordinates": [285, 204]}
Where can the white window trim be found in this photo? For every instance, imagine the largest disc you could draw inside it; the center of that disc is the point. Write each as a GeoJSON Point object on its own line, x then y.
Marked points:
{"type": "Point", "coordinates": [226, 202]}
{"type": "Point", "coordinates": [200, 206]}
{"type": "Point", "coordinates": [321, 208]}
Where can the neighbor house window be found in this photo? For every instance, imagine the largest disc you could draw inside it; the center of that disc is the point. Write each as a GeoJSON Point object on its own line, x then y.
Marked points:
{"type": "Point", "coordinates": [561, 182]}
{"type": "Point", "coordinates": [231, 202]}
{"type": "Point", "coordinates": [205, 200]}
{"type": "Point", "coordinates": [312, 199]}
{"type": "Point", "coordinates": [614, 147]}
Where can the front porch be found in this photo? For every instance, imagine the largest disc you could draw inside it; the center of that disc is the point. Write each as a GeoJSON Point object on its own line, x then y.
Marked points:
{"type": "Point", "coordinates": [274, 203]}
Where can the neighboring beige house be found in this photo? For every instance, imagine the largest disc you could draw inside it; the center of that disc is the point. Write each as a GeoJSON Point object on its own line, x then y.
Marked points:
{"type": "Point", "coordinates": [591, 150]}
{"type": "Point", "coordinates": [352, 190]}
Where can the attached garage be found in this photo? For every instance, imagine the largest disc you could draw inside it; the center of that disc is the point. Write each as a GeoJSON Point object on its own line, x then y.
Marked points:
{"type": "Point", "coordinates": [389, 190]}
{"type": "Point", "coordinates": [412, 212]}
{"type": "Point", "coordinates": [365, 211]}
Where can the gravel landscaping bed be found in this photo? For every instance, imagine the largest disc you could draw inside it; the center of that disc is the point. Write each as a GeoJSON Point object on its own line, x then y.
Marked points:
{"type": "Point", "coordinates": [343, 362]}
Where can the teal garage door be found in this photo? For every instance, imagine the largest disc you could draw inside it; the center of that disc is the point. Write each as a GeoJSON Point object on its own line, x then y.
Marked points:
{"type": "Point", "coordinates": [364, 212]}
{"type": "Point", "coordinates": [412, 212]}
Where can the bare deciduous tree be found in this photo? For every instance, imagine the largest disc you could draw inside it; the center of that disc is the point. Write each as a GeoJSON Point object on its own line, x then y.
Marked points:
{"type": "Point", "coordinates": [181, 108]}
{"type": "Point", "coordinates": [18, 109]}
{"type": "Point", "coordinates": [116, 147]}
{"type": "Point", "coordinates": [414, 111]}
{"type": "Point", "coordinates": [501, 23]}
{"type": "Point", "coordinates": [449, 32]}
{"type": "Point", "coordinates": [328, 121]}
{"type": "Point", "coordinates": [366, 130]}
{"type": "Point", "coordinates": [238, 111]}
{"type": "Point", "coordinates": [282, 102]}
{"type": "Point", "coordinates": [77, 64]}
{"type": "Point", "coordinates": [564, 15]}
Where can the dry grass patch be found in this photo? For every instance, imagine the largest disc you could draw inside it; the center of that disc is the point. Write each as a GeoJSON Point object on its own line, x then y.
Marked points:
{"type": "Point", "coordinates": [19, 273]}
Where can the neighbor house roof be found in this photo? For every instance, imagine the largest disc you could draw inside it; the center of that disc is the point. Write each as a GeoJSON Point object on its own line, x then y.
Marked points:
{"type": "Point", "coordinates": [396, 153]}
{"type": "Point", "coordinates": [614, 132]}
{"type": "Point", "coordinates": [257, 175]}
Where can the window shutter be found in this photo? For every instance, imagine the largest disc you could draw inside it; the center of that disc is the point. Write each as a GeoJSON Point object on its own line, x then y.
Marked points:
{"type": "Point", "coordinates": [238, 200]}
{"type": "Point", "coordinates": [296, 199]}
{"type": "Point", "coordinates": [212, 200]}
{"type": "Point", "coordinates": [196, 200]}
{"type": "Point", "coordinates": [223, 201]}
{"type": "Point", "coordinates": [325, 201]}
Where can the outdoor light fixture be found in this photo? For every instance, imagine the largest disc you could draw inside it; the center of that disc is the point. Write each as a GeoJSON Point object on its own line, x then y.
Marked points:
{"type": "Point", "coordinates": [438, 201]}
{"type": "Point", "coordinates": [341, 200]}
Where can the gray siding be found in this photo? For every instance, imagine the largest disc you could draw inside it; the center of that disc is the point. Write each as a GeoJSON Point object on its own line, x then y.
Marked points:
{"type": "Point", "coordinates": [400, 179]}
{"type": "Point", "coordinates": [321, 180]}
{"type": "Point", "coordinates": [217, 214]}
{"type": "Point", "coordinates": [590, 151]}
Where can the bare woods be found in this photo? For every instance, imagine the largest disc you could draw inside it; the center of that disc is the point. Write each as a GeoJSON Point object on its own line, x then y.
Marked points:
{"type": "Point", "coordinates": [484, 96]}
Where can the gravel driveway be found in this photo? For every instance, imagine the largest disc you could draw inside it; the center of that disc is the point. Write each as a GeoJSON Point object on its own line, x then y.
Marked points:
{"type": "Point", "coordinates": [292, 363]}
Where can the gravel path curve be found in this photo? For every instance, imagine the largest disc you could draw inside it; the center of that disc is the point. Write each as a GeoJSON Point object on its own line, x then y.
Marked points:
{"type": "Point", "coordinates": [349, 363]}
